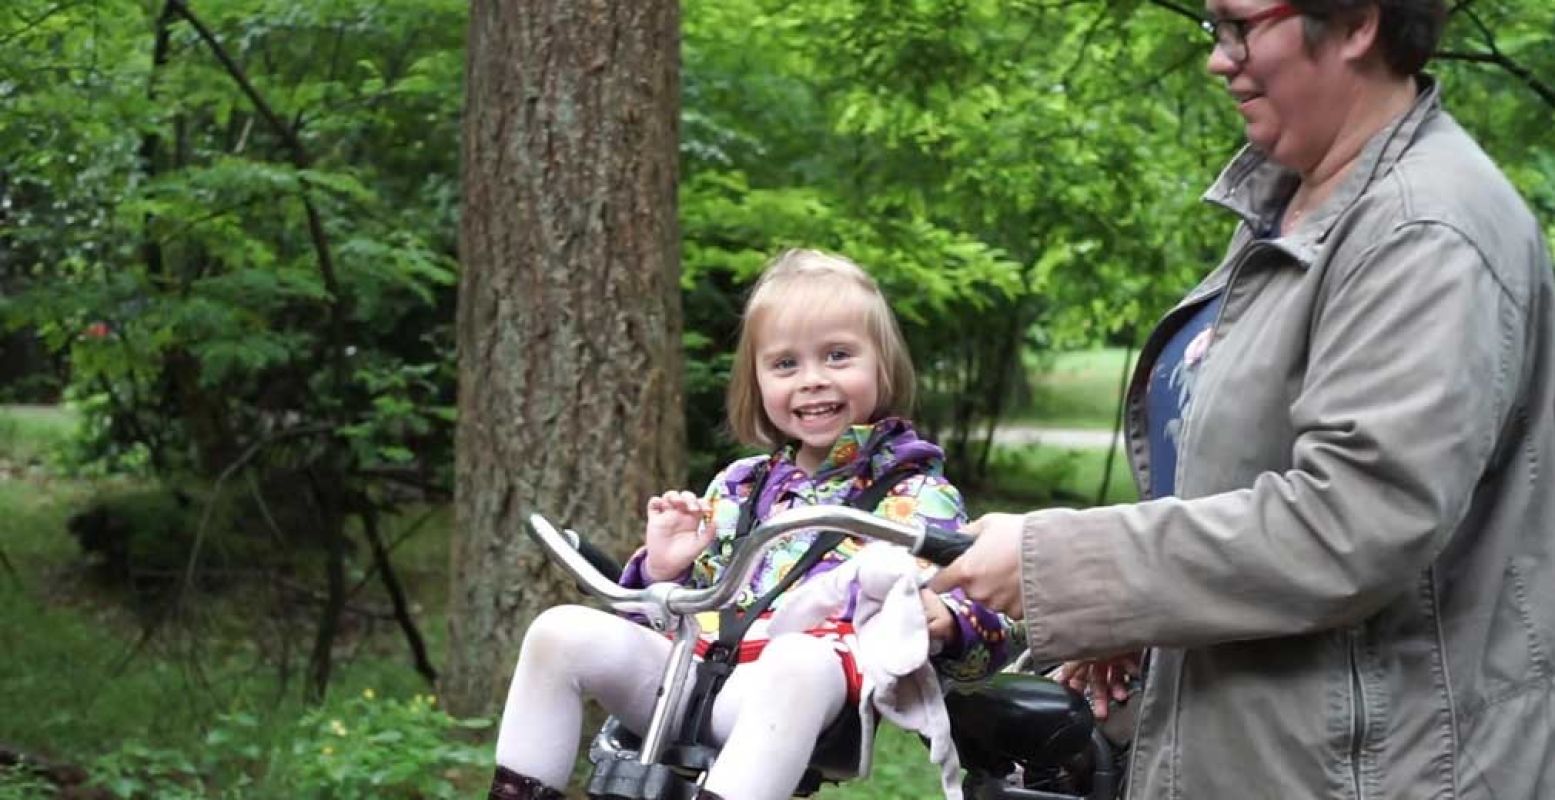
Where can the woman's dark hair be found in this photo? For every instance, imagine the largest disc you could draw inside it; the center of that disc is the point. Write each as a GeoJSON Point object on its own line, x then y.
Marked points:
{"type": "Point", "coordinates": [1407, 30]}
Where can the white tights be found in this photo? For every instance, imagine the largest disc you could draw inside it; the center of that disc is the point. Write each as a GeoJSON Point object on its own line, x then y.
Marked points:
{"type": "Point", "coordinates": [766, 732]}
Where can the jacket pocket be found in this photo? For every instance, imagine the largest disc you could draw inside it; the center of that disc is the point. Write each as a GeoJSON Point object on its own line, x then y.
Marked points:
{"type": "Point", "coordinates": [1515, 656]}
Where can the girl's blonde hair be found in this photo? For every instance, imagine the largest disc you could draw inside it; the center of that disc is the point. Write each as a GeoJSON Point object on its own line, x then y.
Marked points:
{"type": "Point", "coordinates": [809, 284]}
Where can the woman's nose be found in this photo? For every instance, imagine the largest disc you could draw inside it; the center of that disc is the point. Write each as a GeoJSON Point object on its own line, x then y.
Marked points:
{"type": "Point", "coordinates": [1219, 63]}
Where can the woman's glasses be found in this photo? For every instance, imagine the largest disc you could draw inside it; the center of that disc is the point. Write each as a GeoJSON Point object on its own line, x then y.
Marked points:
{"type": "Point", "coordinates": [1230, 34]}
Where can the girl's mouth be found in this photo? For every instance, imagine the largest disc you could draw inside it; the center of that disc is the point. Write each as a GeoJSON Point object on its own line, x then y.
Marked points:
{"type": "Point", "coordinates": [817, 411]}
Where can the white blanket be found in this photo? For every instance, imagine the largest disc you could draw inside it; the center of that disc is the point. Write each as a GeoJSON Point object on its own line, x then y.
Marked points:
{"type": "Point", "coordinates": [893, 649]}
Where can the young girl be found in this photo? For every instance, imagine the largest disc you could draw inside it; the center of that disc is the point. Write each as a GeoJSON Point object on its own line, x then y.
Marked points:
{"type": "Point", "coordinates": [820, 369]}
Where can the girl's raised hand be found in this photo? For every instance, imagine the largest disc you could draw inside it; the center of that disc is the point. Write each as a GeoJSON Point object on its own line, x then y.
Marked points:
{"type": "Point", "coordinates": [679, 529]}
{"type": "Point", "coordinates": [942, 625]}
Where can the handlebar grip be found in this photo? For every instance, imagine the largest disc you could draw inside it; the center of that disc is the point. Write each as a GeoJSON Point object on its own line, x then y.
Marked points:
{"type": "Point", "coordinates": [600, 560]}
{"type": "Point", "coordinates": [943, 545]}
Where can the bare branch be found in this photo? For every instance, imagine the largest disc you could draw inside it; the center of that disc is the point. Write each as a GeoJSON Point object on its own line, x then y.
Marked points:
{"type": "Point", "coordinates": [29, 24]}
{"type": "Point", "coordinates": [391, 584]}
{"type": "Point", "coordinates": [1522, 73]}
{"type": "Point", "coordinates": [335, 342]}
{"type": "Point", "coordinates": [1179, 9]}
{"type": "Point", "coordinates": [9, 569]}
{"type": "Point", "coordinates": [1494, 56]}
{"type": "Point", "coordinates": [210, 506]}
{"type": "Point", "coordinates": [288, 136]}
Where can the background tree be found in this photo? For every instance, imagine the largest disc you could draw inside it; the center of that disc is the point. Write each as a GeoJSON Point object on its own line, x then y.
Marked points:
{"type": "Point", "coordinates": [204, 218]}
{"type": "Point", "coordinates": [569, 308]}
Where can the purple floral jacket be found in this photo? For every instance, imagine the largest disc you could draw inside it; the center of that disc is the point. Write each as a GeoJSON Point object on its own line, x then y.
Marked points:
{"type": "Point", "coordinates": [985, 640]}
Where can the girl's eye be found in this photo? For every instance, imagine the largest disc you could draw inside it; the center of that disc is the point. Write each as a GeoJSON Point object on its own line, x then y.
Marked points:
{"type": "Point", "coordinates": [784, 363]}
{"type": "Point", "coordinates": [838, 355]}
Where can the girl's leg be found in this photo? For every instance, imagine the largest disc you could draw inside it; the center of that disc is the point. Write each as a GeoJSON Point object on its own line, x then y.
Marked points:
{"type": "Point", "coordinates": [769, 715]}
{"type": "Point", "coordinates": [570, 652]}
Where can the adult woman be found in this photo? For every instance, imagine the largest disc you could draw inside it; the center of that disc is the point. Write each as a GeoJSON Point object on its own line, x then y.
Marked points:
{"type": "Point", "coordinates": [1347, 572]}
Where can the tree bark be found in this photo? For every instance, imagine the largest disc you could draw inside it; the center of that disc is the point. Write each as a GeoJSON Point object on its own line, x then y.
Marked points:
{"type": "Point", "coordinates": [569, 308]}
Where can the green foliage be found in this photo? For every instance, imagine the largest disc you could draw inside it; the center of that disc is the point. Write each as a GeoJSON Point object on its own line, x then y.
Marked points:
{"type": "Point", "coordinates": [364, 747]}
{"type": "Point", "coordinates": [1017, 175]}
{"type": "Point", "coordinates": [1074, 389]}
{"type": "Point", "coordinates": [23, 784]}
{"type": "Point", "coordinates": [78, 681]}
{"type": "Point", "coordinates": [136, 771]}
{"type": "Point", "coordinates": [68, 685]}
{"type": "Point", "coordinates": [159, 230]}
{"type": "Point", "coordinates": [1028, 477]}
{"type": "Point", "coordinates": [370, 748]}
{"type": "Point", "coordinates": [242, 243]}
{"type": "Point", "coordinates": [1004, 197]}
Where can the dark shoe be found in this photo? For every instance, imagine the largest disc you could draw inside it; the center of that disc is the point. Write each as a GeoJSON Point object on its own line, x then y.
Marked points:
{"type": "Point", "coordinates": [509, 785]}
{"type": "Point", "coordinates": [703, 794]}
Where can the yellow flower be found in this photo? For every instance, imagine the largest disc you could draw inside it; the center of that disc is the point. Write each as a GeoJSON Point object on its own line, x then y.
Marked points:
{"type": "Point", "coordinates": [898, 509]}
{"type": "Point", "coordinates": [431, 699]}
{"type": "Point", "coordinates": [328, 751]}
{"type": "Point", "coordinates": [369, 694]}
{"type": "Point", "coordinates": [338, 727]}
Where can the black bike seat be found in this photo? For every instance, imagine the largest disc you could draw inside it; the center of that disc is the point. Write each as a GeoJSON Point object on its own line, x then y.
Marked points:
{"type": "Point", "coordinates": [1025, 719]}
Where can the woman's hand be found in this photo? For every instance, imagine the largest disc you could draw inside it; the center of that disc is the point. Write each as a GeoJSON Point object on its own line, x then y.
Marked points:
{"type": "Point", "coordinates": [1107, 679]}
{"type": "Point", "coordinates": [989, 571]}
{"type": "Point", "coordinates": [679, 529]}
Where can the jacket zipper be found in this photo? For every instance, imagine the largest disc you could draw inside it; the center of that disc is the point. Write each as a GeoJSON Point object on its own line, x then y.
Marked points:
{"type": "Point", "coordinates": [1357, 715]}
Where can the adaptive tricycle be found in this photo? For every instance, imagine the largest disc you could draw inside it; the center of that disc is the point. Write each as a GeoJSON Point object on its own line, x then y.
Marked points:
{"type": "Point", "coordinates": [1020, 736]}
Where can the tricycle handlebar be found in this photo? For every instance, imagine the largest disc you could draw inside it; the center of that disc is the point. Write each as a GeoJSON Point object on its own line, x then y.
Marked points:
{"type": "Point", "coordinates": [936, 544]}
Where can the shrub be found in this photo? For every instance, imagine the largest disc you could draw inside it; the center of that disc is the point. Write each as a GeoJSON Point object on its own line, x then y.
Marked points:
{"type": "Point", "coordinates": [373, 748]}
{"type": "Point", "coordinates": [364, 747]}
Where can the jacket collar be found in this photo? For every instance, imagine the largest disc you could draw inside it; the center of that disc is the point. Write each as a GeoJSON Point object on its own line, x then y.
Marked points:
{"type": "Point", "coordinates": [870, 451]}
{"type": "Point", "coordinates": [1257, 189]}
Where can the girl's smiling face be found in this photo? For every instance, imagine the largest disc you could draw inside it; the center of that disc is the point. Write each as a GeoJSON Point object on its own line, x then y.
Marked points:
{"type": "Point", "coordinates": [818, 377]}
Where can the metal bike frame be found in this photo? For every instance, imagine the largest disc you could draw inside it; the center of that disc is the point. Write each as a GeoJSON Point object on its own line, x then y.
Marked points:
{"type": "Point", "coordinates": [668, 604]}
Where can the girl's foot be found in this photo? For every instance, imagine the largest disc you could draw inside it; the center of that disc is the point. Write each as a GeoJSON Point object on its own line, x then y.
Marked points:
{"type": "Point", "coordinates": [509, 785]}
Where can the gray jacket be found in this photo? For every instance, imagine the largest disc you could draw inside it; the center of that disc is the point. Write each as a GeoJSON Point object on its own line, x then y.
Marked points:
{"type": "Point", "coordinates": [1353, 595]}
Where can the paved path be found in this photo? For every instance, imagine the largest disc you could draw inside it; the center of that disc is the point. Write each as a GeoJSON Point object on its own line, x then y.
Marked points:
{"type": "Point", "coordinates": [1064, 438]}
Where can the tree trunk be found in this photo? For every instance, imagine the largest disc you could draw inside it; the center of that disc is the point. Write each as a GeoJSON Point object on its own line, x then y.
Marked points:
{"type": "Point", "coordinates": [569, 306]}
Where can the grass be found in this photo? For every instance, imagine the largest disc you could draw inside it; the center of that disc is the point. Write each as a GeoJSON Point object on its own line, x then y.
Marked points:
{"type": "Point", "coordinates": [77, 683]}
{"type": "Point", "coordinates": [1025, 478]}
{"type": "Point", "coordinates": [901, 769]}
{"type": "Point", "coordinates": [78, 678]}
{"type": "Point", "coordinates": [30, 434]}
{"type": "Point", "coordinates": [1073, 390]}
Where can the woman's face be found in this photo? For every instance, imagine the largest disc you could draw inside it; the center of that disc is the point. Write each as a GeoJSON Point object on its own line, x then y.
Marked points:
{"type": "Point", "coordinates": [1284, 90]}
